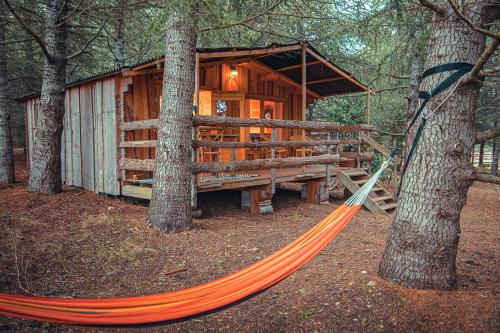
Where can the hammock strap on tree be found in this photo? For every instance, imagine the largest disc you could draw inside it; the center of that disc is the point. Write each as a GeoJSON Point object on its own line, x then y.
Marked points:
{"type": "Point", "coordinates": [461, 69]}
{"type": "Point", "coordinates": [197, 300]}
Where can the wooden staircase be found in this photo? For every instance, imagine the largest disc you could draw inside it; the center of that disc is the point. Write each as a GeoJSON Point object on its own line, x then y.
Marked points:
{"type": "Point", "coordinates": [379, 201]}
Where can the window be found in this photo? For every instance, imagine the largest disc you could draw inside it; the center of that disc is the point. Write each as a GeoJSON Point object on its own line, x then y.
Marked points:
{"type": "Point", "coordinates": [254, 111]}
{"type": "Point", "coordinates": [205, 107]}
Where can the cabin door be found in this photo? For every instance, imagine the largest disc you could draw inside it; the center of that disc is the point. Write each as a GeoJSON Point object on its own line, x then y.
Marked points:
{"type": "Point", "coordinates": [230, 104]}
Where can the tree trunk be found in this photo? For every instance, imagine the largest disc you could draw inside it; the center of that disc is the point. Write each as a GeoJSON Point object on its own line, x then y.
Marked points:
{"type": "Point", "coordinates": [120, 38]}
{"type": "Point", "coordinates": [423, 239]}
{"type": "Point", "coordinates": [170, 207]}
{"type": "Point", "coordinates": [494, 157]}
{"type": "Point", "coordinates": [416, 70]}
{"type": "Point", "coordinates": [481, 153]}
{"type": "Point", "coordinates": [6, 152]}
{"type": "Point", "coordinates": [45, 172]}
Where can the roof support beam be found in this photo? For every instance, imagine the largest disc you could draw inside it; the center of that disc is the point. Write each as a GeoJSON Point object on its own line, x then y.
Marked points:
{"type": "Point", "coordinates": [235, 61]}
{"type": "Point", "coordinates": [310, 63]}
{"type": "Point", "coordinates": [330, 79]}
{"type": "Point", "coordinates": [235, 53]}
{"type": "Point", "coordinates": [336, 69]}
{"type": "Point", "coordinates": [286, 79]}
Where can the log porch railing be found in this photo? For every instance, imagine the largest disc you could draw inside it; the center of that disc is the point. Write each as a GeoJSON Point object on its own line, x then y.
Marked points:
{"type": "Point", "coordinates": [272, 163]}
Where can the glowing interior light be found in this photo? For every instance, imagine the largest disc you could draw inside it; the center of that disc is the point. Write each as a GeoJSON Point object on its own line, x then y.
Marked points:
{"type": "Point", "coordinates": [233, 72]}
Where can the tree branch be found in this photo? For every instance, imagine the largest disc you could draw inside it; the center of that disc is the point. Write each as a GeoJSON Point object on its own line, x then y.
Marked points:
{"type": "Point", "coordinates": [470, 24]}
{"type": "Point", "coordinates": [28, 30]}
{"type": "Point", "coordinates": [489, 134]}
{"type": "Point", "coordinates": [246, 19]}
{"type": "Point", "coordinates": [88, 42]}
{"type": "Point", "coordinates": [486, 178]}
{"type": "Point", "coordinates": [485, 56]}
{"type": "Point", "coordinates": [432, 6]}
{"type": "Point", "coordinates": [13, 41]}
{"type": "Point", "coordinates": [490, 72]}
{"type": "Point", "coordinates": [392, 88]}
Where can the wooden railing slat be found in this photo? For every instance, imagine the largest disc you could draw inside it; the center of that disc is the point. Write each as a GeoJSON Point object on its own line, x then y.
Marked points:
{"type": "Point", "coordinates": [148, 164]}
{"type": "Point", "coordinates": [251, 122]}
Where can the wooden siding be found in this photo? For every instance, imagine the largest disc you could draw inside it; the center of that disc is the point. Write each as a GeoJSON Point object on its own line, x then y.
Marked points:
{"type": "Point", "coordinates": [88, 141]}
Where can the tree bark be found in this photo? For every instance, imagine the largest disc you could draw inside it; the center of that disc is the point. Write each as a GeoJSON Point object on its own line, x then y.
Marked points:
{"type": "Point", "coordinates": [170, 207]}
{"type": "Point", "coordinates": [494, 157]}
{"type": "Point", "coordinates": [120, 34]}
{"type": "Point", "coordinates": [416, 70]}
{"type": "Point", "coordinates": [6, 151]}
{"type": "Point", "coordinates": [45, 172]}
{"type": "Point", "coordinates": [422, 245]}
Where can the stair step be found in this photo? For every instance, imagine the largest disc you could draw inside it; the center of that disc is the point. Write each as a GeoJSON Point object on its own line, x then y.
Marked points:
{"type": "Point", "coordinates": [361, 181]}
{"type": "Point", "coordinates": [377, 189]}
{"type": "Point", "coordinates": [382, 198]}
{"type": "Point", "coordinates": [389, 206]}
{"type": "Point", "coordinates": [353, 173]}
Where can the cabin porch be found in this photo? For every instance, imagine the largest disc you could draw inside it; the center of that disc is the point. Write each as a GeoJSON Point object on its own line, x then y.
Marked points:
{"type": "Point", "coordinates": [250, 129]}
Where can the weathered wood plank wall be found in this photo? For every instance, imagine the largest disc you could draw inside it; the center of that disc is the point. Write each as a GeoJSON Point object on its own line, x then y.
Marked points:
{"type": "Point", "coordinates": [87, 137]}
{"type": "Point", "coordinates": [76, 151]}
{"type": "Point", "coordinates": [68, 160]}
{"type": "Point", "coordinates": [98, 136]}
{"type": "Point", "coordinates": [111, 185]}
{"type": "Point", "coordinates": [88, 142]}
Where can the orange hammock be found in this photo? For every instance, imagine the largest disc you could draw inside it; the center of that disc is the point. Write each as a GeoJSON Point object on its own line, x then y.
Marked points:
{"type": "Point", "coordinates": [195, 300]}
{"type": "Point", "coordinates": [186, 302]}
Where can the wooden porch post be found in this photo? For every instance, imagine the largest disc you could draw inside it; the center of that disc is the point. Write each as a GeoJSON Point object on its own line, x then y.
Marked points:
{"type": "Point", "coordinates": [304, 97]}
{"type": "Point", "coordinates": [368, 106]}
{"type": "Point", "coordinates": [368, 120]}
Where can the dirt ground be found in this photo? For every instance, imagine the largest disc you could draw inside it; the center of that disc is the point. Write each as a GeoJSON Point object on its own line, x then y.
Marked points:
{"type": "Point", "coordinates": [79, 244]}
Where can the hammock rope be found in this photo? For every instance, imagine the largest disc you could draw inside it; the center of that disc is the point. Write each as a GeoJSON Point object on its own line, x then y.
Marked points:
{"type": "Point", "coordinates": [198, 299]}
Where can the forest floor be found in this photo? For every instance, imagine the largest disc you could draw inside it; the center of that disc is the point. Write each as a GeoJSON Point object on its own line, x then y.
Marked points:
{"type": "Point", "coordinates": [79, 244]}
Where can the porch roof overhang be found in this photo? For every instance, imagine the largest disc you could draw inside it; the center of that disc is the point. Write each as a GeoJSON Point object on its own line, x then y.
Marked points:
{"type": "Point", "coordinates": [281, 61]}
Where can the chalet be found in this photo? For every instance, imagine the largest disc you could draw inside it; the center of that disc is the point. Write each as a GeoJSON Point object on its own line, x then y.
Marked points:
{"type": "Point", "coordinates": [109, 137]}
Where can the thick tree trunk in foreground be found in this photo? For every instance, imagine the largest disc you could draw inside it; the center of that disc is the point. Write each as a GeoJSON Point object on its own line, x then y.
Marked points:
{"type": "Point", "coordinates": [423, 239]}
{"type": "Point", "coordinates": [170, 207]}
{"type": "Point", "coordinates": [45, 172]}
{"type": "Point", "coordinates": [6, 152]}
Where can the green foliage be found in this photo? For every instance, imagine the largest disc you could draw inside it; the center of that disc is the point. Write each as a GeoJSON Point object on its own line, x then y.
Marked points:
{"type": "Point", "coordinates": [308, 313]}
{"type": "Point", "coordinates": [342, 110]}
{"type": "Point", "coordinates": [375, 40]}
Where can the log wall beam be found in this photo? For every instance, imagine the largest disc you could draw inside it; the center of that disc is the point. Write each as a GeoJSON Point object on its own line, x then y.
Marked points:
{"type": "Point", "coordinates": [139, 124]}
{"type": "Point", "coordinates": [138, 144]}
{"type": "Point", "coordinates": [264, 163]}
{"type": "Point", "coordinates": [148, 164]}
{"type": "Point", "coordinates": [271, 144]}
{"type": "Point", "coordinates": [318, 126]}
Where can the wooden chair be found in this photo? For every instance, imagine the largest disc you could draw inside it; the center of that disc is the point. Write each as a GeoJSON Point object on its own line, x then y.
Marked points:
{"type": "Point", "coordinates": [298, 152]}
{"type": "Point", "coordinates": [213, 154]}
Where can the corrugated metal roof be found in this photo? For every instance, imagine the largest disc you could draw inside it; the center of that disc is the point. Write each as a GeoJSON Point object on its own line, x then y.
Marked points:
{"type": "Point", "coordinates": [268, 60]}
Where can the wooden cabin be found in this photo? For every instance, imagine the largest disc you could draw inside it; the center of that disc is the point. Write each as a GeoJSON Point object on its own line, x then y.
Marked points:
{"type": "Point", "coordinates": [109, 125]}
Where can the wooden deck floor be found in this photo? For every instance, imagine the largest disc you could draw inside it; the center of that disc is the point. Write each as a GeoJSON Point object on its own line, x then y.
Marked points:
{"type": "Point", "coordinates": [238, 180]}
